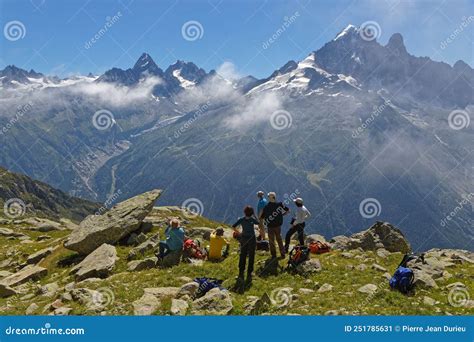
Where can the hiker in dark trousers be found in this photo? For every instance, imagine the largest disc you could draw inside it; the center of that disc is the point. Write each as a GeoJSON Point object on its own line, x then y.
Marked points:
{"type": "Point", "coordinates": [273, 215]}
{"type": "Point", "coordinates": [298, 224]}
{"type": "Point", "coordinates": [262, 202]}
{"type": "Point", "coordinates": [248, 244]}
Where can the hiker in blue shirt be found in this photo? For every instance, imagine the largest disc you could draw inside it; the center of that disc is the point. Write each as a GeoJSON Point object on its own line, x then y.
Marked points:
{"type": "Point", "coordinates": [174, 238]}
{"type": "Point", "coordinates": [248, 244]}
{"type": "Point", "coordinates": [262, 202]}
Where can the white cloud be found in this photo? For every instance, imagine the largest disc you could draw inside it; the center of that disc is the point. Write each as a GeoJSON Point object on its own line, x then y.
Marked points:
{"type": "Point", "coordinates": [228, 71]}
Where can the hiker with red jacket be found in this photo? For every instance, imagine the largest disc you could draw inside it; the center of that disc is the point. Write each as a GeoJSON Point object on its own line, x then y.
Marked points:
{"type": "Point", "coordinates": [248, 244]}
{"type": "Point", "coordinates": [273, 217]}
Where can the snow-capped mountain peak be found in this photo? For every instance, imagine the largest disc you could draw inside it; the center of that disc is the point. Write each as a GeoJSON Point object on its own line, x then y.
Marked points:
{"type": "Point", "coordinates": [347, 31]}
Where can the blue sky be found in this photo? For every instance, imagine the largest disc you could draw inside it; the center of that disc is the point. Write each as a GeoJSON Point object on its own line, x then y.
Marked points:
{"type": "Point", "coordinates": [56, 31]}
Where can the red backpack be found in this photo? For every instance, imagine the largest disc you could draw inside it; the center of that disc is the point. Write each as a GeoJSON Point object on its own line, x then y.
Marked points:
{"type": "Point", "coordinates": [318, 247]}
{"type": "Point", "coordinates": [191, 249]}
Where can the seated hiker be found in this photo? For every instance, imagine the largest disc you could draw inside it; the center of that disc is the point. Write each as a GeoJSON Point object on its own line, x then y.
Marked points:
{"type": "Point", "coordinates": [248, 243]}
{"type": "Point", "coordinates": [298, 223]}
{"type": "Point", "coordinates": [174, 239]}
{"type": "Point", "coordinates": [273, 214]}
{"type": "Point", "coordinates": [216, 245]}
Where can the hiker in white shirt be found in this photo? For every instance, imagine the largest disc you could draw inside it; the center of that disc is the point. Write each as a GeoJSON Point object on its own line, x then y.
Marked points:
{"type": "Point", "coordinates": [298, 223]}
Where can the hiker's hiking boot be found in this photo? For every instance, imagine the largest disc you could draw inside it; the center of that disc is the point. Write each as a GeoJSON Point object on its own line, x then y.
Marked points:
{"type": "Point", "coordinates": [248, 282]}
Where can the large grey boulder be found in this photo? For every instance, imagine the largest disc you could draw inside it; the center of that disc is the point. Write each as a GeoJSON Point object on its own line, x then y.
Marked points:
{"type": "Point", "coordinates": [146, 305]}
{"type": "Point", "coordinates": [98, 264]}
{"type": "Point", "coordinates": [214, 302]}
{"type": "Point", "coordinates": [380, 235]}
{"type": "Point", "coordinates": [140, 265]}
{"type": "Point", "coordinates": [112, 226]}
{"type": "Point", "coordinates": [24, 275]}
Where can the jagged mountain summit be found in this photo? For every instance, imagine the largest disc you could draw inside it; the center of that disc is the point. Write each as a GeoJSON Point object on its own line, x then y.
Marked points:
{"type": "Point", "coordinates": [361, 121]}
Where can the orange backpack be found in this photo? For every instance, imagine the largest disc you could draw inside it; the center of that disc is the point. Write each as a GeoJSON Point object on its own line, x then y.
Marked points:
{"type": "Point", "coordinates": [318, 247]}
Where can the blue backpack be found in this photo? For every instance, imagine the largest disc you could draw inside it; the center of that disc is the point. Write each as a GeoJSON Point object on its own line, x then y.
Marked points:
{"type": "Point", "coordinates": [205, 285]}
{"type": "Point", "coordinates": [402, 279]}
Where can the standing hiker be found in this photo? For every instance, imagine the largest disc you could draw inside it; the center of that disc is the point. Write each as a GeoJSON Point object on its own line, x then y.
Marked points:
{"type": "Point", "coordinates": [273, 217]}
{"type": "Point", "coordinates": [262, 202]}
{"type": "Point", "coordinates": [174, 239]}
{"type": "Point", "coordinates": [248, 243]}
{"type": "Point", "coordinates": [298, 223]}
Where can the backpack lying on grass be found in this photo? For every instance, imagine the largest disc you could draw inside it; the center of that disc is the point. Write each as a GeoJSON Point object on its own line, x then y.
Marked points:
{"type": "Point", "coordinates": [298, 255]}
{"type": "Point", "coordinates": [192, 249]}
{"type": "Point", "coordinates": [402, 280]}
{"type": "Point", "coordinates": [318, 247]}
{"type": "Point", "coordinates": [205, 285]}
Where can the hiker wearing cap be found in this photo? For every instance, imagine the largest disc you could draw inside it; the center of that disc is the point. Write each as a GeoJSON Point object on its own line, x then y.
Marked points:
{"type": "Point", "coordinates": [298, 223]}
{"type": "Point", "coordinates": [262, 202]}
{"type": "Point", "coordinates": [174, 239]}
{"type": "Point", "coordinates": [216, 245]}
{"type": "Point", "coordinates": [248, 244]}
{"type": "Point", "coordinates": [273, 216]}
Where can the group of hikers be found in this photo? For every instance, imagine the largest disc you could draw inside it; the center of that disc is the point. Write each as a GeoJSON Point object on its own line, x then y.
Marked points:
{"type": "Point", "coordinates": [268, 218]}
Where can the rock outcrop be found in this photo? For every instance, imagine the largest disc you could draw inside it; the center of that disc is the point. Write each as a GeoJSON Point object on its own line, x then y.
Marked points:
{"type": "Point", "coordinates": [24, 275]}
{"type": "Point", "coordinates": [98, 264]}
{"type": "Point", "coordinates": [121, 220]}
{"type": "Point", "coordinates": [380, 235]}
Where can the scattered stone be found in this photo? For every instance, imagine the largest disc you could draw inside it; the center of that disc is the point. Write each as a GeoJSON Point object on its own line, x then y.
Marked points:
{"type": "Point", "coordinates": [99, 263]}
{"type": "Point", "coordinates": [140, 265]}
{"type": "Point", "coordinates": [141, 249]}
{"type": "Point", "coordinates": [10, 233]}
{"type": "Point", "coordinates": [257, 305]}
{"type": "Point", "coordinates": [162, 292]}
{"type": "Point", "coordinates": [377, 267]}
{"type": "Point", "coordinates": [6, 291]}
{"type": "Point", "coordinates": [39, 255]}
{"type": "Point", "coordinates": [214, 302]}
{"type": "Point", "coordinates": [199, 232]}
{"type": "Point", "coordinates": [310, 266]}
{"type": "Point", "coordinates": [387, 276]}
{"type": "Point", "coordinates": [456, 284]}
{"type": "Point", "coordinates": [43, 238]}
{"type": "Point", "coordinates": [31, 309]}
{"type": "Point", "coordinates": [121, 220]}
{"type": "Point", "coordinates": [429, 301]}
{"type": "Point", "coordinates": [368, 289]}
{"type": "Point", "coordinates": [314, 238]}
{"type": "Point", "coordinates": [146, 305]}
{"type": "Point", "coordinates": [26, 274]}
{"type": "Point", "coordinates": [179, 307]}
{"type": "Point", "coordinates": [325, 288]}
{"type": "Point", "coordinates": [171, 259]}
{"type": "Point", "coordinates": [424, 280]}
{"type": "Point", "coordinates": [185, 279]}
{"type": "Point", "coordinates": [382, 253]}
{"type": "Point", "coordinates": [349, 267]}
{"type": "Point", "coordinates": [188, 289]}
{"type": "Point", "coordinates": [49, 290]}
{"type": "Point", "coordinates": [332, 313]}
{"type": "Point", "coordinates": [361, 267]}
{"type": "Point", "coordinates": [304, 291]}
{"type": "Point", "coordinates": [347, 255]}
{"type": "Point", "coordinates": [63, 311]}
